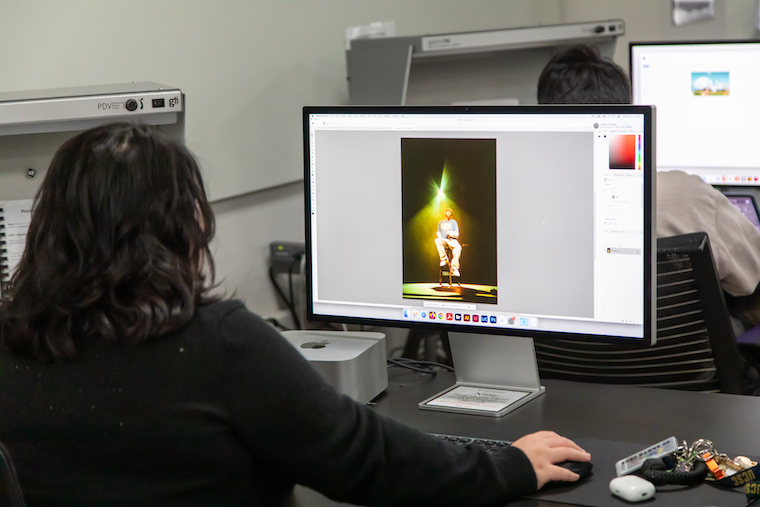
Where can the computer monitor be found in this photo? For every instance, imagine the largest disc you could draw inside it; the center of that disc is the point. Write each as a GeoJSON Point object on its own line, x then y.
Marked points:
{"type": "Point", "coordinates": [551, 218]}
{"type": "Point", "coordinates": [708, 108]}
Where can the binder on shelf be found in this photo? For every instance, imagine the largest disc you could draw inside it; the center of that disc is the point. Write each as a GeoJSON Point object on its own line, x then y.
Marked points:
{"type": "Point", "coordinates": [15, 217]}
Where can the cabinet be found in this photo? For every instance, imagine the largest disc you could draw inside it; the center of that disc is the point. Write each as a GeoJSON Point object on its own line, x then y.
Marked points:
{"type": "Point", "coordinates": [496, 66]}
{"type": "Point", "coordinates": [33, 124]}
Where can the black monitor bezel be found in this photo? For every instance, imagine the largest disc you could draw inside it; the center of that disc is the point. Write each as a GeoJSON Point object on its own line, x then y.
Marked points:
{"type": "Point", "coordinates": [650, 298]}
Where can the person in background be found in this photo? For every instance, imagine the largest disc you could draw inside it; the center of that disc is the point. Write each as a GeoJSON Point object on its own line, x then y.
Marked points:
{"type": "Point", "coordinates": [126, 381]}
{"type": "Point", "coordinates": [685, 203]}
{"type": "Point", "coordinates": [580, 75]}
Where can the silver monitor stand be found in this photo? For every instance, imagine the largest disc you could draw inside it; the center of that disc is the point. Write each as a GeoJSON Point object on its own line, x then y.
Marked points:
{"type": "Point", "coordinates": [494, 375]}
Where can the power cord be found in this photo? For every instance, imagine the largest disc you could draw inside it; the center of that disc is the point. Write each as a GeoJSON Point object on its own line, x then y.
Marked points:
{"type": "Point", "coordinates": [418, 365]}
{"type": "Point", "coordinates": [276, 323]}
{"type": "Point", "coordinates": [297, 259]}
{"type": "Point", "coordinates": [289, 302]}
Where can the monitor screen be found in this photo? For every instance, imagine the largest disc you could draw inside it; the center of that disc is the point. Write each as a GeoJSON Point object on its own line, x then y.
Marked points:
{"type": "Point", "coordinates": [521, 220]}
{"type": "Point", "coordinates": [747, 206]}
{"type": "Point", "coordinates": [708, 108]}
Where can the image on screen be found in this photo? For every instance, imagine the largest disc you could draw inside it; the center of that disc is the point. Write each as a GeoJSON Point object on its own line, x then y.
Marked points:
{"type": "Point", "coordinates": [449, 219]}
{"type": "Point", "coordinates": [710, 83]}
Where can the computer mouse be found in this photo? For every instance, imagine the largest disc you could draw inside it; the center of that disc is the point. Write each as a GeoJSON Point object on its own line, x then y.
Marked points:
{"type": "Point", "coordinates": [582, 468]}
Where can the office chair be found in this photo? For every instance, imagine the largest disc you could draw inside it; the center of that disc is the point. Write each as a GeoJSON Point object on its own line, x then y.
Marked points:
{"type": "Point", "coordinates": [696, 347]}
{"type": "Point", "coordinates": [10, 490]}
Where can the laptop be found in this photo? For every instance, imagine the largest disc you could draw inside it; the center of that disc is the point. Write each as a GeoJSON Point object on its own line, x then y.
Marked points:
{"type": "Point", "coordinates": [748, 207]}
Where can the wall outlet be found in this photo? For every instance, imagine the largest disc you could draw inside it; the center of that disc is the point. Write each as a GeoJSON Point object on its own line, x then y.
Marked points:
{"type": "Point", "coordinates": [286, 256]}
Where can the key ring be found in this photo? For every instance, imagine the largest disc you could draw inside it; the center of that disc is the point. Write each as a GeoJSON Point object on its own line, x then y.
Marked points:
{"type": "Point", "coordinates": [702, 446]}
{"type": "Point", "coordinates": [656, 472]}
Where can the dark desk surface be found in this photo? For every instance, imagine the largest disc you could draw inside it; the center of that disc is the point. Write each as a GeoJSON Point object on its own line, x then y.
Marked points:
{"type": "Point", "coordinates": [611, 422]}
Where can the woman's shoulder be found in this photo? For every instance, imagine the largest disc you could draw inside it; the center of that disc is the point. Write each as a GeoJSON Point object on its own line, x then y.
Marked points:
{"type": "Point", "coordinates": [230, 322]}
{"type": "Point", "coordinates": [220, 309]}
{"type": "Point", "coordinates": [227, 312]}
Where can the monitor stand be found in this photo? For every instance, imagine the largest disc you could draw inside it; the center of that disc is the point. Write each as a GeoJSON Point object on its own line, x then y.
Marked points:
{"type": "Point", "coordinates": [494, 375]}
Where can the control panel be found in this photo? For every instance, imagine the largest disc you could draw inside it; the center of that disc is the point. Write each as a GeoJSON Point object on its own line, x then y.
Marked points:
{"type": "Point", "coordinates": [47, 109]}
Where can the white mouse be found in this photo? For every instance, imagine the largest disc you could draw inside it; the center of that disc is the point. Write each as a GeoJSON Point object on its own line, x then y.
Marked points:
{"type": "Point", "coordinates": [632, 488]}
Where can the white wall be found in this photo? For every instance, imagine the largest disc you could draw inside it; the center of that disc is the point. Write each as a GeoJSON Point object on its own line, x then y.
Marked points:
{"type": "Point", "coordinates": [651, 20]}
{"type": "Point", "coordinates": [247, 224]}
{"type": "Point", "coordinates": [245, 227]}
{"type": "Point", "coordinates": [247, 68]}
{"type": "Point", "coordinates": [645, 20]}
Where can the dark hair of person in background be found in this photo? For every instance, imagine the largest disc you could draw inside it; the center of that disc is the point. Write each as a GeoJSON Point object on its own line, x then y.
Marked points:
{"type": "Point", "coordinates": [117, 248]}
{"type": "Point", "coordinates": [580, 75]}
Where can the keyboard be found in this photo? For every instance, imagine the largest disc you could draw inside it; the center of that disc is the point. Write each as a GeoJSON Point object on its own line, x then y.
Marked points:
{"type": "Point", "coordinates": [489, 445]}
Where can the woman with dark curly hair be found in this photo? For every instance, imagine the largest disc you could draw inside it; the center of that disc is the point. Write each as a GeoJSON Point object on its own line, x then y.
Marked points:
{"type": "Point", "coordinates": [126, 383]}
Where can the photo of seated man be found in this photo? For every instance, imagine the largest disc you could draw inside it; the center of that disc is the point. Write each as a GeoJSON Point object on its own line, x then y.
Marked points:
{"type": "Point", "coordinates": [447, 235]}
{"type": "Point", "coordinates": [449, 219]}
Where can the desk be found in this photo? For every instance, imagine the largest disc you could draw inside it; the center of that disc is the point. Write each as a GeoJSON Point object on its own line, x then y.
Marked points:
{"type": "Point", "coordinates": [606, 420]}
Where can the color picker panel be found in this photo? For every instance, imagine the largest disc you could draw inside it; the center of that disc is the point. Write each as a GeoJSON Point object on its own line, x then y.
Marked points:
{"type": "Point", "coordinates": [623, 152]}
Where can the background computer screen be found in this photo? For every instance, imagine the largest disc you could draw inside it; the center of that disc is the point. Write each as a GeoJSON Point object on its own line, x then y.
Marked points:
{"type": "Point", "coordinates": [552, 204]}
{"type": "Point", "coordinates": [708, 107]}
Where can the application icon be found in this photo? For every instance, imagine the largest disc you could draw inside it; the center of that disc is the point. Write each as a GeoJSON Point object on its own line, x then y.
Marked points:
{"type": "Point", "coordinates": [406, 313]}
{"type": "Point", "coordinates": [493, 319]}
{"type": "Point", "coordinates": [484, 319]}
{"type": "Point", "coordinates": [432, 315]}
{"type": "Point", "coordinates": [502, 319]}
{"type": "Point", "coordinates": [440, 315]}
{"type": "Point", "coordinates": [511, 321]}
{"type": "Point", "coordinates": [475, 318]}
{"type": "Point", "coordinates": [467, 317]}
{"type": "Point", "coordinates": [449, 316]}
{"type": "Point", "coordinates": [523, 321]}
{"type": "Point", "coordinates": [424, 315]}
{"type": "Point", "coordinates": [458, 316]}
{"type": "Point", "coordinates": [416, 314]}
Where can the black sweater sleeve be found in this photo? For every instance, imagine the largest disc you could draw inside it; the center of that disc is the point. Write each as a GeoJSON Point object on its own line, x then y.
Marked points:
{"type": "Point", "coordinates": [300, 430]}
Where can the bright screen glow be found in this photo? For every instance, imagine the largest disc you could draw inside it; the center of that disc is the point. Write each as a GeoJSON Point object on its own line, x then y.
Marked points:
{"type": "Point", "coordinates": [552, 205]}
{"type": "Point", "coordinates": [708, 106]}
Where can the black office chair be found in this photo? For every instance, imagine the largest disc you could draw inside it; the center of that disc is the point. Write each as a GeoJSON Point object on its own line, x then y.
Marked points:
{"type": "Point", "coordinates": [696, 347]}
{"type": "Point", "coordinates": [10, 490]}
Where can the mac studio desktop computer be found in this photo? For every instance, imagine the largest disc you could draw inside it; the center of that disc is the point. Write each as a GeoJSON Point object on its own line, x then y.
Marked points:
{"type": "Point", "coordinates": [708, 107]}
{"type": "Point", "coordinates": [495, 224]}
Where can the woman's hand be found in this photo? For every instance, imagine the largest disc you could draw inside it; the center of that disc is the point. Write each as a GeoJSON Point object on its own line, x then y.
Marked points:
{"type": "Point", "coordinates": [544, 449]}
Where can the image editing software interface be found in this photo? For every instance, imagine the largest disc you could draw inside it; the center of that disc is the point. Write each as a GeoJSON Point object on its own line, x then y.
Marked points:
{"type": "Point", "coordinates": [708, 108]}
{"type": "Point", "coordinates": [544, 212]}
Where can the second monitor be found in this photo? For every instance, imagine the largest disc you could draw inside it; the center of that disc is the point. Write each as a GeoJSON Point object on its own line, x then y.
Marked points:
{"type": "Point", "coordinates": [708, 108]}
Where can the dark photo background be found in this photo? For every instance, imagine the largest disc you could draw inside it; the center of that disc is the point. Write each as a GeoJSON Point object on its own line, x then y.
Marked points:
{"type": "Point", "coordinates": [449, 173]}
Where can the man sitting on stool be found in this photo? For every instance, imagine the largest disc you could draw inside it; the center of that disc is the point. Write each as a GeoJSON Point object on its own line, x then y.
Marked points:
{"type": "Point", "coordinates": [447, 236]}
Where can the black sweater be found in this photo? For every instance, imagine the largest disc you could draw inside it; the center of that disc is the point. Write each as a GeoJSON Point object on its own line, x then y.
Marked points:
{"type": "Point", "coordinates": [223, 412]}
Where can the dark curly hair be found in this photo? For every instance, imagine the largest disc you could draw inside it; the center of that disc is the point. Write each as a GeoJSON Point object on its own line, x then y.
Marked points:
{"type": "Point", "coordinates": [117, 248]}
{"type": "Point", "coordinates": [580, 75]}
